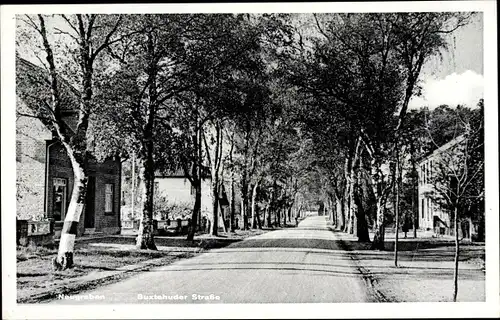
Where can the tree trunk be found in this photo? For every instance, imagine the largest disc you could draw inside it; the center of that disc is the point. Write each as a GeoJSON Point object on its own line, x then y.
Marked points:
{"type": "Point", "coordinates": [380, 193]}
{"type": "Point", "coordinates": [346, 211]}
{"type": "Point", "coordinates": [264, 217]}
{"type": "Point", "coordinates": [196, 210]}
{"type": "Point", "coordinates": [396, 207]}
{"type": "Point", "coordinates": [273, 208]}
{"type": "Point", "coordinates": [280, 212]}
{"type": "Point", "coordinates": [353, 211]}
{"type": "Point", "coordinates": [145, 237]}
{"type": "Point", "coordinates": [284, 217]}
{"type": "Point", "coordinates": [268, 214]}
{"type": "Point", "coordinates": [257, 213]}
{"type": "Point", "coordinates": [64, 259]}
{"type": "Point", "coordinates": [232, 202]}
{"type": "Point", "coordinates": [132, 190]}
{"type": "Point", "coordinates": [414, 209]}
{"type": "Point", "coordinates": [347, 192]}
{"type": "Point", "coordinates": [332, 212]}
{"type": "Point", "coordinates": [215, 160]}
{"type": "Point", "coordinates": [360, 214]}
{"type": "Point", "coordinates": [470, 229]}
{"type": "Point", "coordinates": [354, 172]}
{"type": "Point", "coordinates": [414, 195]}
{"type": "Point", "coordinates": [276, 217]}
{"type": "Point", "coordinates": [362, 227]}
{"type": "Point", "coordinates": [254, 204]}
{"type": "Point", "coordinates": [244, 198]}
{"type": "Point", "coordinates": [340, 212]}
{"type": "Point", "coordinates": [457, 251]}
{"type": "Point", "coordinates": [347, 207]}
{"type": "Point", "coordinates": [379, 227]}
{"type": "Point", "coordinates": [196, 183]}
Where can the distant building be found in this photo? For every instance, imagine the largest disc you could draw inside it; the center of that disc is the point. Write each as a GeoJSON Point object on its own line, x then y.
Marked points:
{"type": "Point", "coordinates": [431, 216]}
{"type": "Point", "coordinates": [44, 172]}
{"type": "Point", "coordinates": [178, 190]}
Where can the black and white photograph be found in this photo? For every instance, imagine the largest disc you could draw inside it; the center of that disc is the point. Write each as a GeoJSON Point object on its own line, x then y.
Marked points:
{"type": "Point", "coordinates": [267, 160]}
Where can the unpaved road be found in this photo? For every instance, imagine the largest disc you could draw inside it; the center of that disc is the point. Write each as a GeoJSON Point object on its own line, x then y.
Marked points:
{"type": "Point", "coordinates": [295, 265]}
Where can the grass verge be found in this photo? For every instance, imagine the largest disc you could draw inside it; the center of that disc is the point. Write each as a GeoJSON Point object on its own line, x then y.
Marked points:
{"type": "Point", "coordinates": [104, 260]}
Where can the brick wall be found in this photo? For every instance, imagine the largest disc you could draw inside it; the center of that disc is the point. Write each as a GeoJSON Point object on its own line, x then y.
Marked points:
{"type": "Point", "coordinates": [107, 172]}
{"type": "Point", "coordinates": [108, 222]}
{"type": "Point", "coordinates": [60, 167]}
{"type": "Point", "coordinates": [35, 184]}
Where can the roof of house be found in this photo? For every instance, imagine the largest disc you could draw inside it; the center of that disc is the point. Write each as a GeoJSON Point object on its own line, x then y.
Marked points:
{"type": "Point", "coordinates": [442, 148]}
{"type": "Point", "coordinates": [33, 86]}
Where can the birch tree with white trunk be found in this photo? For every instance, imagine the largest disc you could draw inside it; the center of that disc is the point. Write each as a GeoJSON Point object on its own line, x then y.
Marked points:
{"type": "Point", "coordinates": [68, 48]}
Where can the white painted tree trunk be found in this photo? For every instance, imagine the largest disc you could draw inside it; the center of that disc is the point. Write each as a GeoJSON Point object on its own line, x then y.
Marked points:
{"type": "Point", "coordinates": [457, 254]}
{"type": "Point", "coordinates": [64, 259]}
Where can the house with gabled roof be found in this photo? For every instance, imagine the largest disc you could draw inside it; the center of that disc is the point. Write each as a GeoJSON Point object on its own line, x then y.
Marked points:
{"type": "Point", "coordinates": [431, 216]}
{"type": "Point", "coordinates": [44, 172]}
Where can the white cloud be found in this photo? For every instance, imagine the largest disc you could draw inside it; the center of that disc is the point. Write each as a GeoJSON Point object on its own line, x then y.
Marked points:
{"type": "Point", "coordinates": [454, 89]}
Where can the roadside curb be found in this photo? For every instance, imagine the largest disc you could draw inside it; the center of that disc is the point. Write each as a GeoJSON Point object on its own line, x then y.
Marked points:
{"type": "Point", "coordinates": [94, 280]}
{"type": "Point", "coordinates": [369, 279]}
{"type": "Point", "coordinates": [104, 277]}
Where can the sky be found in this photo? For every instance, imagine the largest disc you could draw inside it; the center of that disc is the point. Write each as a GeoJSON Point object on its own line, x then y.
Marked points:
{"type": "Point", "coordinates": [456, 77]}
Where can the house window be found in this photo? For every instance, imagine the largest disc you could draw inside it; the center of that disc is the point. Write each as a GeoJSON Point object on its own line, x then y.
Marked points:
{"type": "Point", "coordinates": [108, 192]}
{"type": "Point", "coordinates": [18, 151]}
{"type": "Point", "coordinates": [423, 212]}
{"type": "Point", "coordinates": [60, 191]}
{"type": "Point", "coordinates": [426, 173]}
{"type": "Point", "coordinates": [423, 167]}
{"type": "Point", "coordinates": [420, 176]}
{"type": "Point", "coordinates": [430, 170]}
{"type": "Point", "coordinates": [453, 188]}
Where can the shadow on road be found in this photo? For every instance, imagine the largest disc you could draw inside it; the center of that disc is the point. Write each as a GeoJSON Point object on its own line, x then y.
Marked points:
{"type": "Point", "coordinates": [296, 268]}
{"type": "Point", "coordinates": [409, 250]}
{"type": "Point", "coordinates": [206, 243]}
{"type": "Point", "coordinates": [287, 243]}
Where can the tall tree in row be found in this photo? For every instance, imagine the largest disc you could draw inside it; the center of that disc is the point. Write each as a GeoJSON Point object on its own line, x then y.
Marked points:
{"type": "Point", "coordinates": [162, 80]}
{"type": "Point", "coordinates": [154, 66]}
{"type": "Point", "coordinates": [367, 66]}
{"type": "Point", "coordinates": [69, 48]}
{"type": "Point", "coordinates": [458, 178]}
{"type": "Point", "coordinates": [414, 37]}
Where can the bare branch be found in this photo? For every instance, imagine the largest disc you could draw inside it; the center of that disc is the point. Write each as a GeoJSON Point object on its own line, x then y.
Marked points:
{"type": "Point", "coordinates": [320, 28]}
{"type": "Point", "coordinates": [69, 23]}
{"type": "Point", "coordinates": [59, 31]}
{"type": "Point", "coordinates": [22, 114]}
{"type": "Point", "coordinates": [107, 41]}
{"type": "Point", "coordinates": [32, 23]}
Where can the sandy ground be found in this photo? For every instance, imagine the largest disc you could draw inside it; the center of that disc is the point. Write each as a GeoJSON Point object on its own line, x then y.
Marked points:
{"type": "Point", "coordinates": [310, 263]}
{"type": "Point", "coordinates": [302, 264]}
{"type": "Point", "coordinates": [424, 272]}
